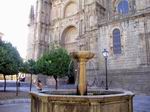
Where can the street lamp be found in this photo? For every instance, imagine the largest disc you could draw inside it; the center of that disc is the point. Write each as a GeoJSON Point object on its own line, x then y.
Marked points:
{"type": "Point", "coordinates": [105, 54]}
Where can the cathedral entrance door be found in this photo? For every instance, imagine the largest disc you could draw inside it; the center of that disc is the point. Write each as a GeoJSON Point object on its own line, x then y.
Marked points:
{"type": "Point", "coordinates": [69, 42]}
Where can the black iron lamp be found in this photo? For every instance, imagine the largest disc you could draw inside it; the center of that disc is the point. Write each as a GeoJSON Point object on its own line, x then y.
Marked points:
{"type": "Point", "coordinates": [105, 54]}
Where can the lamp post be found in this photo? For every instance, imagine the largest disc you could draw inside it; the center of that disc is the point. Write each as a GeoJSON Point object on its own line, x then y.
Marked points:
{"type": "Point", "coordinates": [105, 54]}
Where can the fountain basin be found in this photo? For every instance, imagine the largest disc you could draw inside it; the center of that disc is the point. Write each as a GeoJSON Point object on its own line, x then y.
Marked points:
{"type": "Point", "coordinates": [82, 55]}
{"type": "Point", "coordinates": [95, 101]}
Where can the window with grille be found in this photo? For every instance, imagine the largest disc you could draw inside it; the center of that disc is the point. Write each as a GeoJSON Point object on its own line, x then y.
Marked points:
{"type": "Point", "coordinates": [116, 41]}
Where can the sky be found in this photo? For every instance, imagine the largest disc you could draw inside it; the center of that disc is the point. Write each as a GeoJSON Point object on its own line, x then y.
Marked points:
{"type": "Point", "coordinates": [14, 17]}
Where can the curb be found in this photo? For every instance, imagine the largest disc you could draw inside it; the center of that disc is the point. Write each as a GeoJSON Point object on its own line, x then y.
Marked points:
{"type": "Point", "coordinates": [15, 101]}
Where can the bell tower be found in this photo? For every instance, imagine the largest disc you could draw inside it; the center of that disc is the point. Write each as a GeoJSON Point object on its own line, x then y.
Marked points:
{"type": "Point", "coordinates": [30, 40]}
{"type": "Point", "coordinates": [38, 39]}
{"type": "Point", "coordinates": [42, 25]}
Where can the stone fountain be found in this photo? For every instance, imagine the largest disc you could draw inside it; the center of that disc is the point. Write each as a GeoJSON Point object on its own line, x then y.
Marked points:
{"type": "Point", "coordinates": [94, 101]}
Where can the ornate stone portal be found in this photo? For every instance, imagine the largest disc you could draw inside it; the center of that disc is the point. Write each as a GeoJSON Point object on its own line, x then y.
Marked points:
{"type": "Point", "coordinates": [82, 57]}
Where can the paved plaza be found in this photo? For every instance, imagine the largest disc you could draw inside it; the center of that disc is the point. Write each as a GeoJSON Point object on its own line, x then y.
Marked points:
{"type": "Point", "coordinates": [141, 104]}
{"type": "Point", "coordinates": [9, 102]}
{"type": "Point", "coordinates": [19, 107]}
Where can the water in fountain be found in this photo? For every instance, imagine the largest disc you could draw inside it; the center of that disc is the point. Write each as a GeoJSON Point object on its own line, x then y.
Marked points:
{"type": "Point", "coordinates": [94, 82]}
{"type": "Point", "coordinates": [70, 72]}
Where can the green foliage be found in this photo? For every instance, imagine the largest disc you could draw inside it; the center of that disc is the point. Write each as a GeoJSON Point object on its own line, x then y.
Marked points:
{"type": "Point", "coordinates": [10, 60]}
{"type": "Point", "coordinates": [54, 63]}
{"type": "Point", "coordinates": [24, 67]}
{"type": "Point", "coordinates": [29, 67]}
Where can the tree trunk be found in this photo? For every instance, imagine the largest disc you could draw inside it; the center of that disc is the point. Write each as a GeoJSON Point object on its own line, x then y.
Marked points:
{"type": "Point", "coordinates": [17, 85]}
{"type": "Point", "coordinates": [4, 82]}
{"type": "Point", "coordinates": [31, 83]}
{"type": "Point", "coordinates": [56, 85]}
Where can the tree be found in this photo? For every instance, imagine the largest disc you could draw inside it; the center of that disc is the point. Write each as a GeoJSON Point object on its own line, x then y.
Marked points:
{"type": "Point", "coordinates": [54, 63]}
{"type": "Point", "coordinates": [10, 60]}
{"type": "Point", "coordinates": [29, 67]}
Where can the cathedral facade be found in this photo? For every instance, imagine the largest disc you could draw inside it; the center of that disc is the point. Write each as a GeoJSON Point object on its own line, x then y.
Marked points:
{"type": "Point", "coordinates": [120, 26]}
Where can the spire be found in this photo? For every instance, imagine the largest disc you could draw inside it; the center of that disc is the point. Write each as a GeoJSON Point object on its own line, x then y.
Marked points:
{"type": "Point", "coordinates": [31, 16]}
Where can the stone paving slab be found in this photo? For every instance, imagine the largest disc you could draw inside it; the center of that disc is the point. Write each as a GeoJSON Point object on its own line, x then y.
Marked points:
{"type": "Point", "coordinates": [141, 104]}
{"type": "Point", "coordinates": [13, 84]}
{"type": "Point", "coordinates": [14, 101]}
{"type": "Point", "coordinates": [19, 107]}
{"type": "Point", "coordinates": [12, 95]}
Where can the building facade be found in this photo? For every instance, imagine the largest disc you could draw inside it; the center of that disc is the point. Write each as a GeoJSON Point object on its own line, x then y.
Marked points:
{"type": "Point", "coordinates": [120, 26]}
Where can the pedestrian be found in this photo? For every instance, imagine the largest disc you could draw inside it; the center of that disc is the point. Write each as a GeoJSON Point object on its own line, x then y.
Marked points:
{"type": "Point", "coordinates": [39, 85]}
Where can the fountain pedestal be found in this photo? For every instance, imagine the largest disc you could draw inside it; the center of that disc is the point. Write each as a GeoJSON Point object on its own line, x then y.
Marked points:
{"type": "Point", "coordinates": [96, 101]}
{"type": "Point", "coordinates": [82, 57]}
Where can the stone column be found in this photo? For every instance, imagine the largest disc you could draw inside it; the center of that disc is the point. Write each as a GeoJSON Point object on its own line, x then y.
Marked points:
{"type": "Point", "coordinates": [82, 77]}
{"type": "Point", "coordinates": [82, 57]}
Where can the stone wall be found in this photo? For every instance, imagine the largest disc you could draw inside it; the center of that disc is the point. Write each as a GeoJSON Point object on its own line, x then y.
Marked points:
{"type": "Point", "coordinates": [135, 80]}
{"type": "Point", "coordinates": [133, 46]}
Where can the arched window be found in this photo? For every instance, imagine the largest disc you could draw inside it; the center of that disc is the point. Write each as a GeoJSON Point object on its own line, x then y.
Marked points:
{"type": "Point", "coordinates": [69, 37]}
{"type": "Point", "coordinates": [123, 7]}
{"type": "Point", "coordinates": [116, 41]}
{"type": "Point", "coordinates": [70, 34]}
{"type": "Point", "coordinates": [70, 9]}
